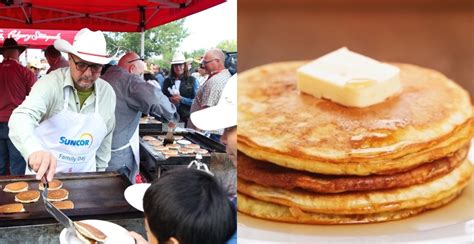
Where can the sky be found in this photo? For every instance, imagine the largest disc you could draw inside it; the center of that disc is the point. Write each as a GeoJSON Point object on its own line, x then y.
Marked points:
{"type": "Point", "coordinates": [209, 27]}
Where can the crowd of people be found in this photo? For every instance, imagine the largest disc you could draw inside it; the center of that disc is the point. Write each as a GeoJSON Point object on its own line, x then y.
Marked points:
{"type": "Point", "coordinates": [83, 117]}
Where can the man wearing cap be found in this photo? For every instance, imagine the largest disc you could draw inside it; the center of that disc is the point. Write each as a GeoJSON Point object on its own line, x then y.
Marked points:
{"type": "Point", "coordinates": [180, 87]}
{"type": "Point", "coordinates": [67, 121]}
{"type": "Point", "coordinates": [15, 84]}
{"type": "Point", "coordinates": [209, 93]}
{"type": "Point", "coordinates": [54, 58]}
{"type": "Point", "coordinates": [134, 97]}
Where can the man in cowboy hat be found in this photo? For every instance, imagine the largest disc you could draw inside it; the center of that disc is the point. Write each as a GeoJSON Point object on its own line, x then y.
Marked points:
{"type": "Point", "coordinates": [209, 93]}
{"type": "Point", "coordinates": [15, 83]}
{"type": "Point", "coordinates": [67, 121]}
{"type": "Point", "coordinates": [135, 96]}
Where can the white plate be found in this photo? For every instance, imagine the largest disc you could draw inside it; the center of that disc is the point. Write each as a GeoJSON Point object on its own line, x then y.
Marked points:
{"type": "Point", "coordinates": [115, 233]}
{"type": "Point", "coordinates": [453, 223]}
{"type": "Point", "coordinates": [134, 195]}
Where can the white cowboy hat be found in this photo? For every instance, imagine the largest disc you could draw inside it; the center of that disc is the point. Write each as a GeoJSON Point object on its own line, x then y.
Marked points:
{"type": "Point", "coordinates": [224, 114]}
{"type": "Point", "coordinates": [88, 45]}
{"type": "Point", "coordinates": [178, 58]}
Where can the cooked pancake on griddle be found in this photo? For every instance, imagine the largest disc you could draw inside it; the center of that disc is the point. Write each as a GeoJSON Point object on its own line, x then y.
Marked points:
{"type": "Point", "coordinates": [53, 185]}
{"type": "Point", "coordinates": [11, 208]}
{"type": "Point", "coordinates": [90, 231]}
{"type": "Point", "coordinates": [201, 151]}
{"type": "Point", "coordinates": [155, 143]}
{"type": "Point", "coordinates": [365, 202]}
{"type": "Point", "coordinates": [173, 146]}
{"type": "Point", "coordinates": [58, 195]}
{"type": "Point", "coordinates": [276, 212]}
{"type": "Point", "coordinates": [192, 146]}
{"type": "Point", "coordinates": [184, 150]}
{"type": "Point", "coordinates": [16, 187]}
{"type": "Point", "coordinates": [430, 118]}
{"type": "Point", "coordinates": [150, 138]}
{"type": "Point", "coordinates": [64, 204]}
{"type": "Point", "coordinates": [268, 174]}
{"type": "Point", "coordinates": [27, 196]}
{"type": "Point", "coordinates": [160, 148]}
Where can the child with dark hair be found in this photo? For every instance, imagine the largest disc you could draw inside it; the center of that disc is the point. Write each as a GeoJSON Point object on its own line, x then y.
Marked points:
{"type": "Point", "coordinates": [187, 206]}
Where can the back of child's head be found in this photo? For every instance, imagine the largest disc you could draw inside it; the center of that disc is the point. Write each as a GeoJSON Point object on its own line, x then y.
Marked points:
{"type": "Point", "coordinates": [191, 206]}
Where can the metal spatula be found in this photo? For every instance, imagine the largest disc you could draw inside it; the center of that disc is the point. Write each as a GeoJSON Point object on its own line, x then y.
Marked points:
{"type": "Point", "coordinates": [56, 213]}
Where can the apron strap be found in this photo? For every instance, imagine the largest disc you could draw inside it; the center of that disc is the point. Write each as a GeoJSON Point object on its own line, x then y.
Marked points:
{"type": "Point", "coordinates": [96, 99]}
{"type": "Point", "coordinates": [66, 97]}
{"type": "Point", "coordinates": [121, 148]}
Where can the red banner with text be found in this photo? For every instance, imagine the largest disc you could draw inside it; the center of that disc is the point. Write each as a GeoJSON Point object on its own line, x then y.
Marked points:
{"type": "Point", "coordinates": [36, 38]}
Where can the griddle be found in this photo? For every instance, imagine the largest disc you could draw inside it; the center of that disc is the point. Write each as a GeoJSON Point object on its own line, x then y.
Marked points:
{"type": "Point", "coordinates": [97, 195]}
{"type": "Point", "coordinates": [153, 163]}
{"type": "Point", "coordinates": [149, 127]}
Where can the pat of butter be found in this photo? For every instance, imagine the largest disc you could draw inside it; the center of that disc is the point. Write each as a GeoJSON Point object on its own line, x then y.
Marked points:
{"type": "Point", "coordinates": [349, 78]}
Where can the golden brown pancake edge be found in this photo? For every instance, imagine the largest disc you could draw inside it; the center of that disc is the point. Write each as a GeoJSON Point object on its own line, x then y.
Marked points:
{"type": "Point", "coordinates": [409, 123]}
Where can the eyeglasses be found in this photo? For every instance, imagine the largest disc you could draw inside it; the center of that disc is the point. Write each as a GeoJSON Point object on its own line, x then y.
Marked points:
{"type": "Point", "coordinates": [133, 60]}
{"type": "Point", "coordinates": [82, 66]}
{"type": "Point", "coordinates": [206, 62]}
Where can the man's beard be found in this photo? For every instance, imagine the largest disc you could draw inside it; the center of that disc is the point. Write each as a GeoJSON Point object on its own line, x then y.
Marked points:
{"type": "Point", "coordinates": [84, 83]}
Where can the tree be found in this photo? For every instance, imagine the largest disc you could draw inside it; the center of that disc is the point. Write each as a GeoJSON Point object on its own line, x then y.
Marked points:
{"type": "Point", "coordinates": [228, 45]}
{"type": "Point", "coordinates": [161, 40]}
{"type": "Point", "coordinates": [196, 54]}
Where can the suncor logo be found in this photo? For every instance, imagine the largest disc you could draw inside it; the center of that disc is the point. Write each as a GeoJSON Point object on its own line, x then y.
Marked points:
{"type": "Point", "coordinates": [85, 140]}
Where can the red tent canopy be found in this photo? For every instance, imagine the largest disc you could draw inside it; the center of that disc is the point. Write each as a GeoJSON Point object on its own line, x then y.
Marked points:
{"type": "Point", "coordinates": [105, 15]}
{"type": "Point", "coordinates": [36, 38]}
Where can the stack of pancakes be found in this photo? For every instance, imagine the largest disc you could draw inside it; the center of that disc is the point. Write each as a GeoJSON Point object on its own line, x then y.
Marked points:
{"type": "Point", "coordinates": [308, 160]}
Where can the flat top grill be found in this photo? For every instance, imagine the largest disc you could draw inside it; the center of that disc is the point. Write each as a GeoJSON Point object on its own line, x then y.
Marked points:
{"type": "Point", "coordinates": [97, 194]}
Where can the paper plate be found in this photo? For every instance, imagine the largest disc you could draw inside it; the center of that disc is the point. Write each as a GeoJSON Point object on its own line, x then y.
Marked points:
{"type": "Point", "coordinates": [453, 223]}
{"type": "Point", "coordinates": [134, 195]}
{"type": "Point", "coordinates": [115, 233]}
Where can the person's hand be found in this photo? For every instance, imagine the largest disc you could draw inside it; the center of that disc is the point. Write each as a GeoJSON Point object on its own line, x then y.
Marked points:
{"type": "Point", "coordinates": [43, 163]}
{"type": "Point", "coordinates": [175, 99]}
{"type": "Point", "coordinates": [137, 237]}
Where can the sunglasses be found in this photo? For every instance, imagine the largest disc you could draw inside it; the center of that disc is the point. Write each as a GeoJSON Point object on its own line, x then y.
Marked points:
{"type": "Point", "coordinates": [133, 60]}
{"type": "Point", "coordinates": [82, 66]}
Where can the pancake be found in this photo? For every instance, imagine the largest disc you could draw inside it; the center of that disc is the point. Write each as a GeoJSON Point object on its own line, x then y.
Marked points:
{"type": "Point", "coordinates": [276, 212]}
{"type": "Point", "coordinates": [186, 150]}
{"type": "Point", "coordinates": [11, 208]}
{"type": "Point", "coordinates": [27, 196]}
{"type": "Point", "coordinates": [160, 148]}
{"type": "Point", "coordinates": [365, 202]}
{"type": "Point", "coordinates": [90, 231]}
{"type": "Point", "coordinates": [170, 153]}
{"type": "Point", "coordinates": [64, 204]}
{"type": "Point", "coordinates": [430, 118]}
{"type": "Point", "coordinates": [156, 143]}
{"type": "Point", "coordinates": [53, 185]}
{"type": "Point", "coordinates": [57, 195]}
{"type": "Point", "coordinates": [173, 146]}
{"type": "Point", "coordinates": [149, 138]}
{"type": "Point", "coordinates": [267, 174]}
{"type": "Point", "coordinates": [201, 151]}
{"type": "Point", "coordinates": [16, 187]}
{"type": "Point", "coordinates": [193, 146]}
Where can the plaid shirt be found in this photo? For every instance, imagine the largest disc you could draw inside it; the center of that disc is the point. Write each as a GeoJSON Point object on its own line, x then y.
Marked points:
{"type": "Point", "coordinates": [209, 94]}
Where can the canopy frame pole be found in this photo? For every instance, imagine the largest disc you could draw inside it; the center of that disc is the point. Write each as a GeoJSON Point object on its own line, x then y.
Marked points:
{"type": "Point", "coordinates": [142, 28]}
